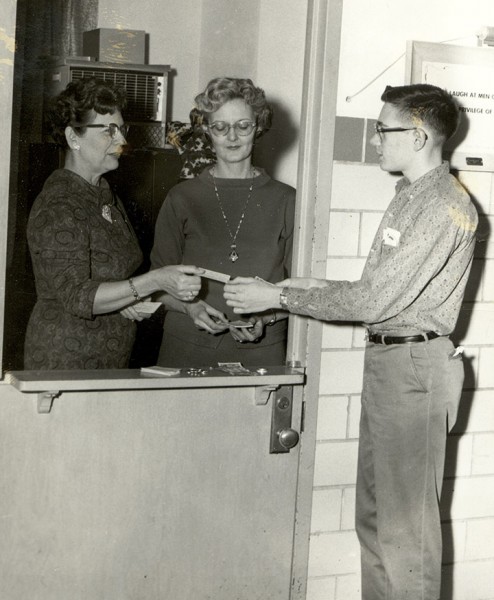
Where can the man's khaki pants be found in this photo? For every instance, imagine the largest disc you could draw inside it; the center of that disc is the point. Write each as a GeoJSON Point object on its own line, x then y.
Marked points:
{"type": "Point", "coordinates": [410, 401]}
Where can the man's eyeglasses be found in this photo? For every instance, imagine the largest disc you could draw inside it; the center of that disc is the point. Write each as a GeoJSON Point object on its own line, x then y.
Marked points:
{"type": "Point", "coordinates": [380, 130]}
{"type": "Point", "coordinates": [242, 127]}
{"type": "Point", "coordinates": [113, 128]}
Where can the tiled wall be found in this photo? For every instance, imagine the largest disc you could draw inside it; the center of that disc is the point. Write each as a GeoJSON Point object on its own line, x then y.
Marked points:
{"type": "Point", "coordinates": [361, 192]}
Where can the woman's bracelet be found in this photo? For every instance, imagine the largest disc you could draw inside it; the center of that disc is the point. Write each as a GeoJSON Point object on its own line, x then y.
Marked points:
{"type": "Point", "coordinates": [135, 293]}
{"type": "Point", "coordinates": [272, 320]}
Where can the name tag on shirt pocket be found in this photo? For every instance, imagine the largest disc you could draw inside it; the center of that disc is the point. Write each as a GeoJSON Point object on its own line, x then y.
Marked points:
{"type": "Point", "coordinates": [391, 237]}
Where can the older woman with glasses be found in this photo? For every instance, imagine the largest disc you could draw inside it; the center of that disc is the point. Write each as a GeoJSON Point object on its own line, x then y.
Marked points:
{"type": "Point", "coordinates": [232, 219]}
{"type": "Point", "coordinates": [83, 249]}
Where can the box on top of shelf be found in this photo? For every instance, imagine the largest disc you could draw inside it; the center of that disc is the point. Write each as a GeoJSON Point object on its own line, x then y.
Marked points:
{"type": "Point", "coordinates": [120, 46]}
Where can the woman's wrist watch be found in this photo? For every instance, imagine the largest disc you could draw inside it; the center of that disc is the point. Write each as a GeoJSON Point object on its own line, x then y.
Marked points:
{"type": "Point", "coordinates": [283, 299]}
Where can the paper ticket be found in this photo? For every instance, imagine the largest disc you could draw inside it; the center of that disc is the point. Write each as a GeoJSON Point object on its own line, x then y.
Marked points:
{"type": "Point", "coordinates": [223, 277]}
{"type": "Point", "coordinates": [160, 371]}
{"type": "Point", "coordinates": [240, 324]}
{"type": "Point", "coordinates": [147, 308]}
{"type": "Point", "coordinates": [264, 281]}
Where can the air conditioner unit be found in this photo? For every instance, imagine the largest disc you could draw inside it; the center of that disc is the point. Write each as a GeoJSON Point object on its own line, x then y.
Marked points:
{"type": "Point", "coordinates": [146, 87]}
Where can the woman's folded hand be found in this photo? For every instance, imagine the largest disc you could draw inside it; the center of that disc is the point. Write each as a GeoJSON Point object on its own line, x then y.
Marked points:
{"type": "Point", "coordinates": [206, 317]}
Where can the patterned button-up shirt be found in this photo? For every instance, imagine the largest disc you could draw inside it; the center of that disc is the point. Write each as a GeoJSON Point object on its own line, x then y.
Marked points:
{"type": "Point", "coordinates": [417, 269]}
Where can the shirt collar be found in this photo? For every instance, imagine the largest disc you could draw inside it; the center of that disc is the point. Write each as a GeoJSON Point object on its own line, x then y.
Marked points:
{"type": "Point", "coordinates": [425, 181]}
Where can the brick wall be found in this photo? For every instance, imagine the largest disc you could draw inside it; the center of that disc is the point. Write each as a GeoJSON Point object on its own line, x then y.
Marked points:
{"type": "Point", "coordinates": [361, 193]}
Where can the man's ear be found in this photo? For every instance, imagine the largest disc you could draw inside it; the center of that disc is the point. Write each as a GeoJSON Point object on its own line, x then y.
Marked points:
{"type": "Point", "coordinates": [72, 138]}
{"type": "Point", "coordinates": [420, 137]}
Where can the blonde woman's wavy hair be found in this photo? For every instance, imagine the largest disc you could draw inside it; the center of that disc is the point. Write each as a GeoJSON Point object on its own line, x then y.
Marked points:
{"type": "Point", "coordinates": [221, 90]}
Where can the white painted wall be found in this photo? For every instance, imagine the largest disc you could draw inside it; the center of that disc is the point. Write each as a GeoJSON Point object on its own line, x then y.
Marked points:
{"type": "Point", "coordinates": [374, 35]}
{"type": "Point", "coordinates": [229, 39]}
{"type": "Point", "coordinates": [280, 63]}
{"type": "Point", "coordinates": [174, 29]}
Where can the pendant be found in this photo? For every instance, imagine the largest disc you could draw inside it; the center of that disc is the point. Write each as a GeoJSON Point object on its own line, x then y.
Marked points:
{"type": "Point", "coordinates": [233, 256]}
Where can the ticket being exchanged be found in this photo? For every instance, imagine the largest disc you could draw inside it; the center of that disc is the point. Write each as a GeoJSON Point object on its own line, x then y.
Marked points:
{"type": "Point", "coordinates": [147, 308]}
{"type": "Point", "coordinates": [223, 277]}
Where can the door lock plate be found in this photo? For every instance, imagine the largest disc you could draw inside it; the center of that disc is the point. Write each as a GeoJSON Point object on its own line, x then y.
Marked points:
{"type": "Point", "coordinates": [283, 437]}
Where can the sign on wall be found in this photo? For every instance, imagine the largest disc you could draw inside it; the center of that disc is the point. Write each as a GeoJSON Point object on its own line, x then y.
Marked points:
{"type": "Point", "coordinates": [468, 74]}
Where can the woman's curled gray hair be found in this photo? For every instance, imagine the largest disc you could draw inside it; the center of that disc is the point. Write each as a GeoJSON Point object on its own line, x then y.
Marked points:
{"type": "Point", "coordinates": [221, 90]}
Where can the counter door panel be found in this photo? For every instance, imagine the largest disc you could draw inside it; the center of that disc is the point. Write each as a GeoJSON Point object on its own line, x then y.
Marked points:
{"type": "Point", "coordinates": [146, 495]}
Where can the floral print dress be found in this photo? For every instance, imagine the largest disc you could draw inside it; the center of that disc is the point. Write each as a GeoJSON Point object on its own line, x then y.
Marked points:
{"type": "Point", "coordinates": [79, 236]}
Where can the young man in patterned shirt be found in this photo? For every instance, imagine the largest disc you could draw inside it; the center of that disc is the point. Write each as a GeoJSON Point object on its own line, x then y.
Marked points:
{"type": "Point", "coordinates": [409, 298]}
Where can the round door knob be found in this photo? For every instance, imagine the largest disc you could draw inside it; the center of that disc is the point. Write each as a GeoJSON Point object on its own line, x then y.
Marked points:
{"type": "Point", "coordinates": [288, 438]}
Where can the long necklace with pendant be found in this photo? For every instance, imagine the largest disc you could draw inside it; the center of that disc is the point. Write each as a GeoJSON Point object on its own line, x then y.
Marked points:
{"type": "Point", "coordinates": [233, 256]}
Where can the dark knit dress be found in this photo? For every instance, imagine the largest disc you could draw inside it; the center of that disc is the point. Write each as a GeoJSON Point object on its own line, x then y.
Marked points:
{"type": "Point", "coordinates": [191, 230]}
{"type": "Point", "coordinates": [73, 249]}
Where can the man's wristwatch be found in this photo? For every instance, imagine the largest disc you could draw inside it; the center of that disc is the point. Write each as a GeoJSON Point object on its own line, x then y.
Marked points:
{"type": "Point", "coordinates": [283, 299]}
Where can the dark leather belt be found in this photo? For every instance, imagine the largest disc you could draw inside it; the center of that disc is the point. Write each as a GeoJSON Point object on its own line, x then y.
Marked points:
{"type": "Point", "coordinates": [391, 339]}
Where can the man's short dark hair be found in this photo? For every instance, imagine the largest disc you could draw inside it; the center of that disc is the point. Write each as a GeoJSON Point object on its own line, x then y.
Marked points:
{"type": "Point", "coordinates": [427, 104]}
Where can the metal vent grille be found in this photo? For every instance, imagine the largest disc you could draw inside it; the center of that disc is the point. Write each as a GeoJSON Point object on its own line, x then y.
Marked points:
{"type": "Point", "coordinates": [143, 90]}
{"type": "Point", "coordinates": [147, 135]}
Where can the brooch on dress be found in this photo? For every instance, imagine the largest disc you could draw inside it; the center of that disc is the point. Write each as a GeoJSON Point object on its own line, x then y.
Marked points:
{"type": "Point", "coordinates": [106, 213]}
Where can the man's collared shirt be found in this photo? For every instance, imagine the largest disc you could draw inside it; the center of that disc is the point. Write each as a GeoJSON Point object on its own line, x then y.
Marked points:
{"type": "Point", "coordinates": [417, 269]}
